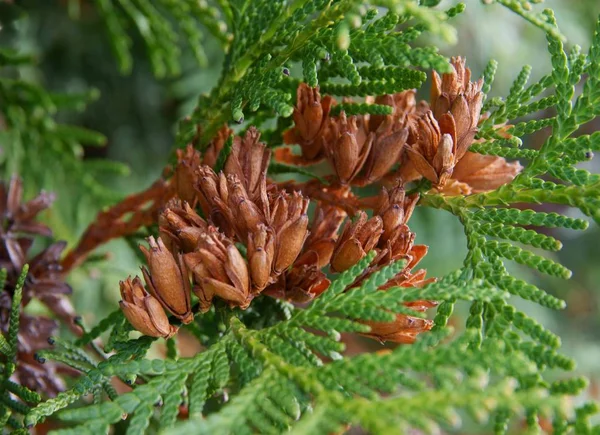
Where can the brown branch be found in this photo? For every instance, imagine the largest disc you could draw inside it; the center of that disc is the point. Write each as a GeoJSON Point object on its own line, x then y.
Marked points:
{"type": "Point", "coordinates": [125, 218]}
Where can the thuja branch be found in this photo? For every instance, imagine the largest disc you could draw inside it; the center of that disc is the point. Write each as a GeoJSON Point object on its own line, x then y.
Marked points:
{"type": "Point", "coordinates": [505, 195]}
{"type": "Point", "coordinates": [218, 111]}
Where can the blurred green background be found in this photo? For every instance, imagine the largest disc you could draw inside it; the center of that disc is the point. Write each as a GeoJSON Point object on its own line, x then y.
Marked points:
{"type": "Point", "coordinates": [138, 115]}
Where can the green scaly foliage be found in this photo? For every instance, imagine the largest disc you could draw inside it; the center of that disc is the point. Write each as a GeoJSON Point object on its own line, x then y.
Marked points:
{"type": "Point", "coordinates": [276, 367]}
{"type": "Point", "coordinates": [342, 46]}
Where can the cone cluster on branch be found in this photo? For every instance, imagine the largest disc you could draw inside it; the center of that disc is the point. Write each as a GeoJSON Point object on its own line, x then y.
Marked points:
{"type": "Point", "coordinates": [18, 227]}
{"type": "Point", "coordinates": [236, 234]}
{"type": "Point", "coordinates": [418, 140]}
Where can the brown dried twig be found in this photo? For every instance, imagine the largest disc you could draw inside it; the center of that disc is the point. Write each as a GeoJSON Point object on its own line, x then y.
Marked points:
{"type": "Point", "coordinates": [125, 218]}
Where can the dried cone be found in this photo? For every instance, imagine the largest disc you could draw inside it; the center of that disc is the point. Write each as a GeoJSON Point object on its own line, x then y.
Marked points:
{"type": "Point", "coordinates": [403, 247]}
{"type": "Point", "coordinates": [442, 136]}
{"type": "Point", "coordinates": [44, 282]}
{"type": "Point", "coordinates": [167, 279]}
{"type": "Point", "coordinates": [185, 176]}
{"type": "Point", "coordinates": [454, 93]}
{"type": "Point", "coordinates": [144, 311]}
{"type": "Point", "coordinates": [403, 330]}
{"type": "Point", "coordinates": [357, 239]}
{"type": "Point", "coordinates": [394, 207]}
{"type": "Point", "coordinates": [302, 282]}
{"type": "Point", "coordinates": [214, 199]}
{"type": "Point", "coordinates": [249, 161]}
{"type": "Point", "coordinates": [19, 218]}
{"type": "Point", "coordinates": [290, 222]}
{"type": "Point", "coordinates": [311, 116]}
{"type": "Point", "coordinates": [386, 151]}
{"type": "Point", "coordinates": [244, 214]}
{"type": "Point", "coordinates": [181, 226]}
{"type": "Point", "coordinates": [261, 253]}
{"type": "Point", "coordinates": [219, 270]}
{"type": "Point", "coordinates": [323, 235]}
{"type": "Point", "coordinates": [406, 110]}
{"type": "Point", "coordinates": [477, 173]}
{"type": "Point", "coordinates": [397, 241]}
{"type": "Point", "coordinates": [434, 153]}
{"type": "Point", "coordinates": [225, 201]}
{"type": "Point", "coordinates": [348, 152]}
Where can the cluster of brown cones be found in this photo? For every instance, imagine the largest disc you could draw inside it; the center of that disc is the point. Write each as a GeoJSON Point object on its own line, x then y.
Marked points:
{"type": "Point", "coordinates": [418, 140]}
{"type": "Point", "coordinates": [253, 236]}
{"type": "Point", "coordinates": [18, 226]}
{"type": "Point", "coordinates": [256, 238]}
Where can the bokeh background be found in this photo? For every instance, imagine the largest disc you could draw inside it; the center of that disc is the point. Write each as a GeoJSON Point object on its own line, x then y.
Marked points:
{"type": "Point", "coordinates": [138, 115]}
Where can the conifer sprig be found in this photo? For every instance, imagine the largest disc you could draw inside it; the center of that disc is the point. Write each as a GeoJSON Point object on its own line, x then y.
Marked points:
{"type": "Point", "coordinates": [315, 35]}
{"type": "Point", "coordinates": [283, 375]}
{"type": "Point", "coordinates": [269, 366]}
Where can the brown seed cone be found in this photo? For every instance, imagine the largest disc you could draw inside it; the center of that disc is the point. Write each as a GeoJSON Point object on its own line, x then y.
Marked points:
{"type": "Point", "coordinates": [357, 239]}
{"type": "Point", "coordinates": [323, 235]}
{"type": "Point", "coordinates": [290, 223]}
{"type": "Point", "coordinates": [19, 218]}
{"type": "Point", "coordinates": [44, 280]}
{"type": "Point", "coordinates": [311, 116]}
{"type": "Point", "coordinates": [302, 282]}
{"type": "Point", "coordinates": [394, 207]}
{"type": "Point", "coordinates": [144, 311]}
{"type": "Point", "coordinates": [434, 153]}
{"type": "Point", "coordinates": [405, 109]}
{"type": "Point", "coordinates": [219, 270]}
{"type": "Point", "coordinates": [350, 147]}
{"type": "Point", "coordinates": [261, 253]}
{"type": "Point", "coordinates": [214, 199]}
{"type": "Point", "coordinates": [249, 161]}
{"type": "Point", "coordinates": [245, 214]}
{"type": "Point", "coordinates": [386, 150]}
{"type": "Point", "coordinates": [477, 173]}
{"type": "Point", "coordinates": [403, 248]}
{"type": "Point", "coordinates": [403, 330]}
{"type": "Point", "coordinates": [454, 93]}
{"type": "Point", "coordinates": [439, 139]}
{"type": "Point", "coordinates": [185, 176]}
{"type": "Point", "coordinates": [181, 226]}
{"type": "Point", "coordinates": [400, 246]}
{"type": "Point", "coordinates": [226, 202]}
{"type": "Point", "coordinates": [167, 279]}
